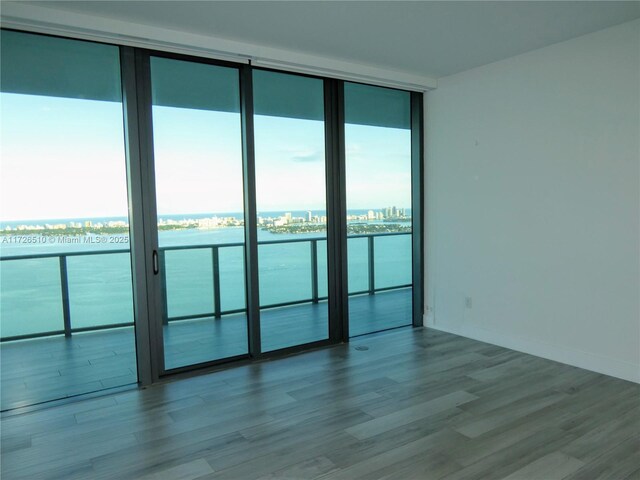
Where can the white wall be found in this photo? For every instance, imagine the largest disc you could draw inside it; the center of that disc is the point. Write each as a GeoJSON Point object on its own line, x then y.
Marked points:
{"type": "Point", "coordinates": [533, 207]}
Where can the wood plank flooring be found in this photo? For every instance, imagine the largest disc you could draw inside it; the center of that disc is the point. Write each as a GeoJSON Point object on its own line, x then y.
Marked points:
{"type": "Point", "coordinates": [415, 404]}
{"type": "Point", "coordinates": [44, 369]}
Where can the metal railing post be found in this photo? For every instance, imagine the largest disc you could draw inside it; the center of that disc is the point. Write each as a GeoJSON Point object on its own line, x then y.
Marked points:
{"type": "Point", "coordinates": [314, 271]}
{"type": "Point", "coordinates": [372, 271]}
{"type": "Point", "coordinates": [215, 257]}
{"type": "Point", "coordinates": [64, 290]}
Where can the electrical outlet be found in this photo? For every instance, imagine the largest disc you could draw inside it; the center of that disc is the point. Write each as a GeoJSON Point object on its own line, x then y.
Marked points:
{"type": "Point", "coordinates": [468, 302]}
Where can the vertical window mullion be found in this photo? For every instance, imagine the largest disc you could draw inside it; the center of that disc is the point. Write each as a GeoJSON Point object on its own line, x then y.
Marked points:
{"type": "Point", "coordinates": [250, 220]}
{"type": "Point", "coordinates": [134, 187]}
{"type": "Point", "coordinates": [337, 214]}
{"type": "Point", "coordinates": [417, 206]}
{"type": "Point", "coordinates": [147, 180]}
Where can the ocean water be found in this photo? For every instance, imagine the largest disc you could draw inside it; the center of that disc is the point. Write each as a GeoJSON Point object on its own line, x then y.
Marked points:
{"type": "Point", "coordinates": [100, 287]}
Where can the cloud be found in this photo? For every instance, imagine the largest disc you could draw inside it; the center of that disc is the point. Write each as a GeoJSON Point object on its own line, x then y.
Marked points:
{"type": "Point", "coordinates": [316, 156]}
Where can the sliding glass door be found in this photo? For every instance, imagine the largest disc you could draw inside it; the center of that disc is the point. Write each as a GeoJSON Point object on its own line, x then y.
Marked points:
{"type": "Point", "coordinates": [199, 202]}
{"type": "Point", "coordinates": [66, 303]}
{"type": "Point", "coordinates": [268, 212]}
{"type": "Point", "coordinates": [378, 166]}
{"type": "Point", "coordinates": [291, 206]}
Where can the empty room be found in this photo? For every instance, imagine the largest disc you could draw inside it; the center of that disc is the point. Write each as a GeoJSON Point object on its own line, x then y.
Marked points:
{"type": "Point", "coordinates": [319, 240]}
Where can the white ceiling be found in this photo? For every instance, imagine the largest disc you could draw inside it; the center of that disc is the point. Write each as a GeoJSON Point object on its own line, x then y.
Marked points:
{"type": "Point", "coordinates": [424, 38]}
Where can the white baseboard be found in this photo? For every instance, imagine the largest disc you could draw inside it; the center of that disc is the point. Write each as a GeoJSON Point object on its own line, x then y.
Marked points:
{"type": "Point", "coordinates": [577, 358]}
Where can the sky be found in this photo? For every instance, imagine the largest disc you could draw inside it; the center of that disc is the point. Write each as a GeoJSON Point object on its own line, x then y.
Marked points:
{"type": "Point", "coordinates": [65, 158]}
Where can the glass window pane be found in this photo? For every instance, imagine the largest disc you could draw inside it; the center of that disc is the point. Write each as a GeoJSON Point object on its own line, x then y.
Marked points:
{"type": "Point", "coordinates": [37, 65]}
{"type": "Point", "coordinates": [358, 264]}
{"type": "Point", "coordinates": [376, 106]}
{"type": "Point", "coordinates": [189, 282]}
{"type": "Point", "coordinates": [20, 281]}
{"type": "Point", "coordinates": [323, 285]}
{"type": "Point", "coordinates": [392, 260]}
{"type": "Point", "coordinates": [291, 204]}
{"type": "Point", "coordinates": [199, 198]}
{"type": "Point", "coordinates": [90, 303]}
{"type": "Point", "coordinates": [378, 187]}
{"type": "Point", "coordinates": [232, 296]}
{"type": "Point", "coordinates": [285, 273]}
{"type": "Point", "coordinates": [63, 137]}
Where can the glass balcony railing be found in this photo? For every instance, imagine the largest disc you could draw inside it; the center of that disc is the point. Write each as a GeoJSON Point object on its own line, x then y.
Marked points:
{"type": "Point", "coordinates": [66, 293]}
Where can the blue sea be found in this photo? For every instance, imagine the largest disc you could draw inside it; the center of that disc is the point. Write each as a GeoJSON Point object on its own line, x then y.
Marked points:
{"type": "Point", "coordinates": [100, 286]}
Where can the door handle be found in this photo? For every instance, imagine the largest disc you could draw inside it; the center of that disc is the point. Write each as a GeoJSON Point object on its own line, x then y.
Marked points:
{"type": "Point", "coordinates": [156, 266]}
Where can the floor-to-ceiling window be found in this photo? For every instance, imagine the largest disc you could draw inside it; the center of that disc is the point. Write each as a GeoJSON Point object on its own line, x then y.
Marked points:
{"type": "Point", "coordinates": [199, 205]}
{"type": "Point", "coordinates": [269, 212]}
{"type": "Point", "coordinates": [66, 316]}
{"type": "Point", "coordinates": [291, 208]}
{"type": "Point", "coordinates": [378, 199]}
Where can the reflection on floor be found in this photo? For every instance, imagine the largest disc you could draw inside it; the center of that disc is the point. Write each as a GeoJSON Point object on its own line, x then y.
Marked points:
{"type": "Point", "coordinates": [382, 311]}
{"type": "Point", "coordinates": [39, 370]}
{"type": "Point", "coordinates": [42, 369]}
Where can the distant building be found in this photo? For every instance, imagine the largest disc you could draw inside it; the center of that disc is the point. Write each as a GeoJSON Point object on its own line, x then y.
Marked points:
{"type": "Point", "coordinates": [208, 223]}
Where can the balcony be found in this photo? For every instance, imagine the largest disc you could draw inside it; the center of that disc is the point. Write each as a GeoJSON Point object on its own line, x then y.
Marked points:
{"type": "Point", "coordinates": [83, 354]}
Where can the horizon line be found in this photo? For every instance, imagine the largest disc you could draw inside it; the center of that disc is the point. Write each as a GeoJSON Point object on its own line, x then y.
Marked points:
{"type": "Point", "coordinates": [187, 214]}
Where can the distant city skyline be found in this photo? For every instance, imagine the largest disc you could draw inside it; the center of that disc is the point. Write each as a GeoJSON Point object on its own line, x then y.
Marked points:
{"type": "Point", "coordinates": [300, 213]}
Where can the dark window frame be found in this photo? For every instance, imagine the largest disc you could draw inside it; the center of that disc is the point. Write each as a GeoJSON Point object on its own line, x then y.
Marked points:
{"type": "Point", "coordinates": [136, 99]}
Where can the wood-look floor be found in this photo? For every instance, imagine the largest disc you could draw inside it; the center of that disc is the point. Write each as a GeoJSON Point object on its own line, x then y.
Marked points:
{"type": "Point", "coordinates": [405, 404]}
